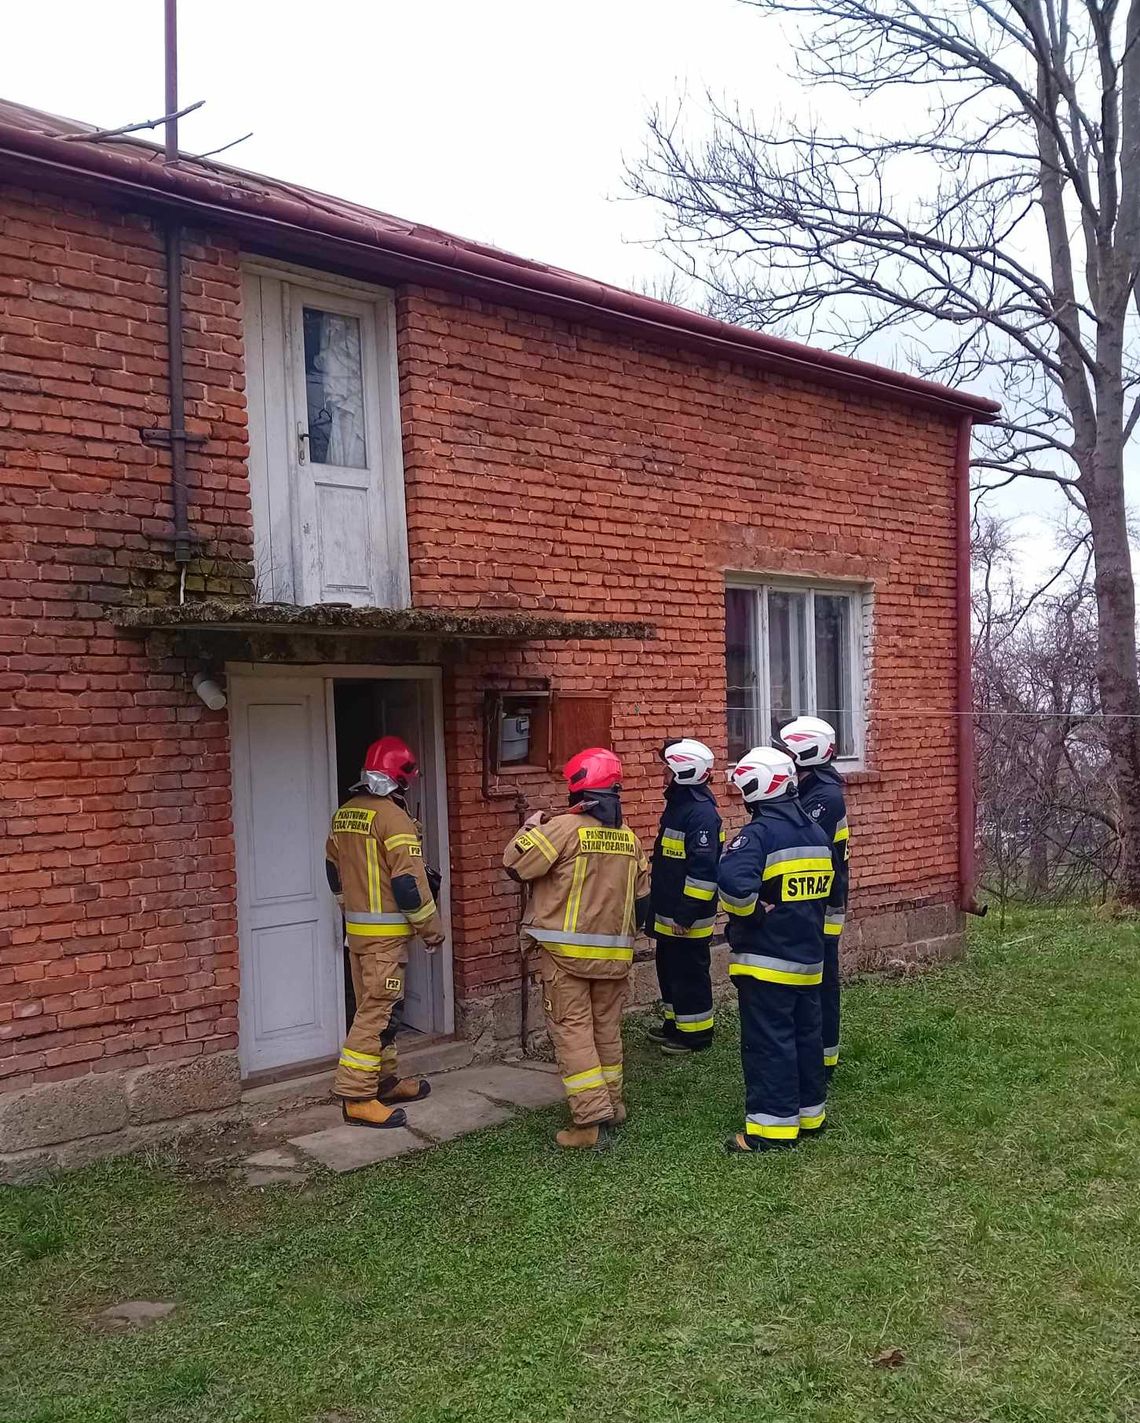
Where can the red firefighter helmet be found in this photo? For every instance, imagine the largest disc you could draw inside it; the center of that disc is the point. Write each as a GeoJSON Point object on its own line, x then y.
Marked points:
{"type": "Point", "coordinates": [389, 764]}
{"type": "Point", "coordinates": [593, 770]}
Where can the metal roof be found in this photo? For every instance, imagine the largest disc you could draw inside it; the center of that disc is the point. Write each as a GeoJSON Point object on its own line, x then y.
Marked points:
{"type": "Point", "coordinates": [289, 220]}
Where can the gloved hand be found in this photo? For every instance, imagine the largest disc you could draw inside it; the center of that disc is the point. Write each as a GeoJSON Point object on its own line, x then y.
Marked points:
{"type": "Point", "coordinates": [434, 879]}
{"type": "Point", "coordinates": [534, 819]}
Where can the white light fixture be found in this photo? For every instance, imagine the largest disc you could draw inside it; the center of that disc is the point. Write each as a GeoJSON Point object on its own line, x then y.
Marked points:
{"type": "Point", "coordinates": [209, 691]}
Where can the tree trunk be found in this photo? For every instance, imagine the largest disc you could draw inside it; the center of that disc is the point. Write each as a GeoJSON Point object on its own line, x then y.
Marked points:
{"type": "Point", "coordinates": [1116, 655]}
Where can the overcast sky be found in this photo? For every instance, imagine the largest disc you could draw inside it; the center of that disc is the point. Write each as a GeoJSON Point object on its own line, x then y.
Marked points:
{"type": "Point", "coordinates": [505, 121]}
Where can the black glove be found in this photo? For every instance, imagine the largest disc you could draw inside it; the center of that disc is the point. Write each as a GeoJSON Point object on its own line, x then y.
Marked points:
{"type": "Point", "coordinates": [434, 879]}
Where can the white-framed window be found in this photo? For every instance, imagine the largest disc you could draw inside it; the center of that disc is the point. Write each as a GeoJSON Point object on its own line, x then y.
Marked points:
{"type": "Point", "coordinates": [325, 460]}
{"type": "Point", "coordinates": [793, 649]}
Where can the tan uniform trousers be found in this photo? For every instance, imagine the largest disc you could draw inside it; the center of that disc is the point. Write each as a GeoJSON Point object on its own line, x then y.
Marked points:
{"type": "Point", "coordinates": [369, 1050]}
{"type": "Point", "coordinates": [583, 1018]}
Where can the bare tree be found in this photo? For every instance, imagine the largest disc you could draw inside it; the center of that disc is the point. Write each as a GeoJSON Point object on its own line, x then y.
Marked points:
{"type": "Point", "coordinates": [999, 236]}
{"type": "Point", "coordinates": [1042, 745]}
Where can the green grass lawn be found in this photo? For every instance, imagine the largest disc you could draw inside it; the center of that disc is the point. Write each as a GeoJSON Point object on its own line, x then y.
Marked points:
{"type": "Point", "coordinates": [975, 1206]}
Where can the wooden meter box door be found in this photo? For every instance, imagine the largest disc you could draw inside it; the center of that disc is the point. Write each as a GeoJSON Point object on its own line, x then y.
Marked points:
{"type": "Point", "coordinates": [579, 720]}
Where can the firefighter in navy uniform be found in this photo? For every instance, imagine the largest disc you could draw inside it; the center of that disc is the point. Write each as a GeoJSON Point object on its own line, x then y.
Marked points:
{"type": "Point", "coordinates": [810, 743]}
{"type": "Point", "coordinates": [775, 878]}
{"type": "Point", "coordinates": [683, 898]}
{"type": "Point", "coordinates": [375, 867]}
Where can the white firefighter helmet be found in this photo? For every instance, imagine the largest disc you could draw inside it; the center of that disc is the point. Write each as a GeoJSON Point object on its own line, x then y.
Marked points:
{"type": "Point", "coordinates": [690, 761]}
{"type": "Point", "coordinates": [808, 741]}
{"type": "Point", "coordinates": [763, 774]}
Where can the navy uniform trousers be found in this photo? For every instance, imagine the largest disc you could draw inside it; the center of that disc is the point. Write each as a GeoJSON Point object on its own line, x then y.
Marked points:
{"type": "Point", "coordinates": [781, 1051]}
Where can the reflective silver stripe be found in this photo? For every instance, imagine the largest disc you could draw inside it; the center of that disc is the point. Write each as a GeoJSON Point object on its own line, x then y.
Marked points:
{"type": "Point", "coordinates": [831, 1051]}
{"type": "Point", "coordinates": [816, 1111]}
{"type": "Point", "coordinates": [706, 887]}
{"type": "Point", "coordinates": [706, 1016]}
{"type": "Point", "coordinates": [590, 941]}
{"type": "Point", "coordinates": [743, 901]}
{"type": "Point", "coordinates": [670, 834]}
{"type": "Point", "coordinates": [763, 1119]}
{"type": "Point", "coordinates": [797, 852]}
{"type": "Point", "coordinates": [355, 918]}
{"type": "Point", "coordinates": [835, 916]}
{"type": "Point", "coordinates": [801, 970]}
{"type": "Point", "coordinates": [841, 826]}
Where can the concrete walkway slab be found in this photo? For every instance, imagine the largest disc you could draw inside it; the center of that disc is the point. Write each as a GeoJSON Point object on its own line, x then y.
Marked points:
{"type": "Point", "coordinates": [346, 1148]}
{"type": "Point", "coordinates": [453, 1111]}
{"type": "Point", "coordinates": [514, 1085]}
{"type": "Point", "coordinates": [461, 1101]}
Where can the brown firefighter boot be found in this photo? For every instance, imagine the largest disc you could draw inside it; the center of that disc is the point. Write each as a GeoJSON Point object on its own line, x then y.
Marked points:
{"type": "Point", "coordinates": [620, 1113]}
{"type": "Point", "coordinates": [595, 1137]}
{"type": "Point", "coordinates": [392, 1090]}
{"type": "Point", "coordinates": [368, 1112]}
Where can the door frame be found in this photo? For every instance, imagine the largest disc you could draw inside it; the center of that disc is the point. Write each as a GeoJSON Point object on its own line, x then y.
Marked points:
{"type": "Point", "coordinates": [443, 961]}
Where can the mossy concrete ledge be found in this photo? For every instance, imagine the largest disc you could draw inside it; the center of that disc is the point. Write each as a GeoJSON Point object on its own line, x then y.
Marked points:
{"type": "Point", "coordinates": [336, 620]}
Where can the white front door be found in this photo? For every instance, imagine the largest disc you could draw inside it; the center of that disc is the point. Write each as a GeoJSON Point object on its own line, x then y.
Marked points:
{"type": "Point", "coordinates": [326, 472]}
{"type": "Point", "coordinates": [291, 1001]}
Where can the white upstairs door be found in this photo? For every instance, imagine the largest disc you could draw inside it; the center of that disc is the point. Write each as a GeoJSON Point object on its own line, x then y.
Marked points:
{"type": "Point", "coordinates": [291, 997]}
{"type": "Point", "coordinates": [349, 540]}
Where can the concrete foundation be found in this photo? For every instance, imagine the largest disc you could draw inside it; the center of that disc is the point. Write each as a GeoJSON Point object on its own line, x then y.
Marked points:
{"type": "Point", "coordinates": [68, 1124]}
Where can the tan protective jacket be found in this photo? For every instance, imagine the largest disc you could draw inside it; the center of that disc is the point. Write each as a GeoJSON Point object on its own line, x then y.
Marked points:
{"type": "Point", "coordinates": [585, 880]}
{"type": "Point", "coordinates": [375, 849]}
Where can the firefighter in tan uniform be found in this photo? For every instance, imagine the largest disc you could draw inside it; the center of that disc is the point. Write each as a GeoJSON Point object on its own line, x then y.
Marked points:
{"type": "Point", "coordinates": [375, 867]}
{"type": "Point", "coordinates": [589, 894]}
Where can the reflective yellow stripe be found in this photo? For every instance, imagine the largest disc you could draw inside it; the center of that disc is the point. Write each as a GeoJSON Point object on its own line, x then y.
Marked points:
{"type": "Point", "coordinates": [589, 951]}
{"type": "Point", "coordinates": [772, 1133]}
{"type": "Point", "coordinates": [372, 863]}
{"type": "Point", "coordinates": [833, 929]}
{"type": "Point", "coordinates": [584, 1081]}
{"type": "Point", "coordinates": [672, 930]}
{"type": "Point", "coordinates": [672, 848]}
{"type": "Point", "coordinates": [740, 909]}
{"type": "Point", "coordinates": [797, 867]}
{"type": "Point", "coordinates": [667, 1012]}
{"type": "Point", "coordinates": [377, 931]}
{"type": "Point", "coordinates": [542, 844]}
{"type": "Point", "coordinates": [629, 916]}
{"type": "Point", "coordinates": [812, 1123]}
{"type": "Point", "coordinates": [611, 1074]}
{"type": "Point", "coordinates": [394, 842]}
{"type": "Point", "coordinates": [574, 900]}
{"type": "Point", "coordinates": [701, 1026]}
{"type": "Point", "coordinates": [361, 1061]}
{"type": "Point", "coordinates": [699, 893]}
{"type": "Point", "coordinates": [722, 837]}
{"type": "Point", "coordinates": [842, 833]}
{"type": "Point", "coordinates": [774, 975]}
{"type": "Point", "coordinates": [831, 1059]}
{"type": "Point", "coordinates": [421, 915]}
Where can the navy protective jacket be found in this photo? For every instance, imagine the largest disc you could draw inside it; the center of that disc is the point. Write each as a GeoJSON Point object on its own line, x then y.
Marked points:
{"type": "Point", "coordinates": [685, 856]}
{"type": "Point", "coordinates": [775, 879]}
{"type": "Point", "coordinates": [821, 795]}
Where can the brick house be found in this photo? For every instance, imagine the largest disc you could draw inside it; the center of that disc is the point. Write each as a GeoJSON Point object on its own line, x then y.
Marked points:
{"type": "Point", "coordinates": [426, 487]}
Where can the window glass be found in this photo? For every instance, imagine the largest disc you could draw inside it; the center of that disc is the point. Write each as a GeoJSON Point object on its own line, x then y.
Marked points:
{"type": "Point", "coordinates": [787, 657]}
{"type": "Point", "coordinates": [742, 672]}
{"type": "Point", "coordinates": [334, 389]}
{"type": "Point", "coordinates": [833, 690]}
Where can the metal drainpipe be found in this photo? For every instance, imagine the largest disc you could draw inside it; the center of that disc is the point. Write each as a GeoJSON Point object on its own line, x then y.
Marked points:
{"type": "Point", "coordinates": [964, 700]}
{"type": "Point", "coordinates": [174, 345]}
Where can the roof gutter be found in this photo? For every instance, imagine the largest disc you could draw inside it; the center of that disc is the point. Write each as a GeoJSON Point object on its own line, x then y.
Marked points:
{"type": "Point", "coordinates": [293, 226]}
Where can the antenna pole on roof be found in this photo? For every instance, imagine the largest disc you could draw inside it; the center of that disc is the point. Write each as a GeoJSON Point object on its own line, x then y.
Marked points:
{"type": "Point", "coordinates": [171, 109]}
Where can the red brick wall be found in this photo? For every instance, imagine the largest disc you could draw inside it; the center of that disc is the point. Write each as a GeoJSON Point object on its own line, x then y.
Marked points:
{"type": "Point", "coordinates": [614, 479]}
{"type": "Point", "coordinates": [117, 934]}
{"type": "Point", "coordinates": [547, 467]}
